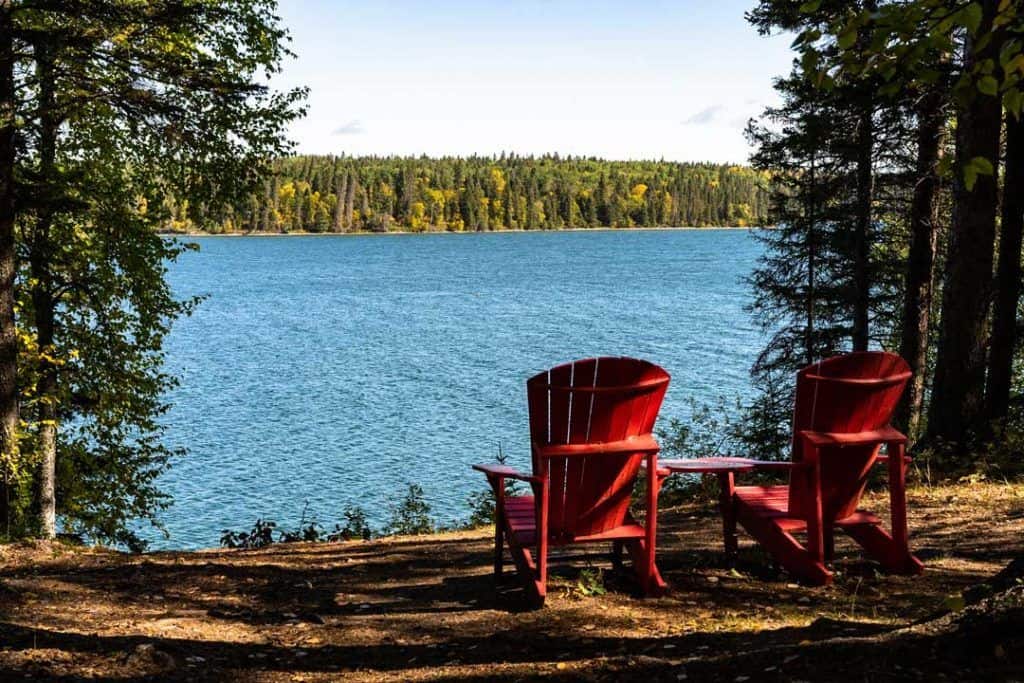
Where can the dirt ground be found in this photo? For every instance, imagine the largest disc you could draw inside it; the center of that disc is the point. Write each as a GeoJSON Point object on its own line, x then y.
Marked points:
{"type": "Point", "coordinates": [427, 608]}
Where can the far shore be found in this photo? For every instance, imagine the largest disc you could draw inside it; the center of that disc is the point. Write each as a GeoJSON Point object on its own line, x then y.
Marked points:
{"type": "Point", "coordinates": [363, 233]}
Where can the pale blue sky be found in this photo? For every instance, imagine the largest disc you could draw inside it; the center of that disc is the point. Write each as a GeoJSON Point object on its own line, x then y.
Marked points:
{"type": "Point", "coordinates": [621, 80]}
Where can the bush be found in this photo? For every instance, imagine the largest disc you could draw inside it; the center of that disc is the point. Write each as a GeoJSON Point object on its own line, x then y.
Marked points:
{"type": "Point", "coordinates": [356, 526]}
{"type": "Point", "coordinates": [411, 517]}
{"type": "Point", "coordinates": [261, 535]}
{"type": "Point", "coordinates": [481, 503]}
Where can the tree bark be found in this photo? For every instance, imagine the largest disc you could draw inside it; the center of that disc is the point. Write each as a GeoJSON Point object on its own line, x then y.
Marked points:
{"type": "Point", "coordinates": [924, 232]}
{"type": "Point", "coordinates": [865, 191]}
{"type": "Point", "coordinates": [8, 329]}
{"type": "Point", "coordinates": [862, 225]}
{"type": "Point", "coordinates": [42, 296]}
{"type": "Point", "coordinates": [958, 390]}
{"type": "Point", "coordinates": [1008, 271]}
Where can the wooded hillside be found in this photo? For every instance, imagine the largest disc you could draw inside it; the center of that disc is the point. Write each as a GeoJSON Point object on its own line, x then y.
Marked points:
{"type": "Point", "coordinates": [347, 194]}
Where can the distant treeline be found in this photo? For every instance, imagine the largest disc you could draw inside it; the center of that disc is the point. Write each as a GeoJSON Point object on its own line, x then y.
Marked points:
{"type": "Point", "coordinates": [348, 194]}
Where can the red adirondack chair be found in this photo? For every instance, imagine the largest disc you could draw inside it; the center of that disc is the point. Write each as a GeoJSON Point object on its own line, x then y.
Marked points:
{"type": "Point", "coordinates": [590, 425]}
{"type": "Point", "coordinates": [840, 421]}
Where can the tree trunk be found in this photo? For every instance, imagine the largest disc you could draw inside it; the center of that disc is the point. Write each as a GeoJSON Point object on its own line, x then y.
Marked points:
{"type": "Point", "coordinates": [1007, 295]}
{"type": "Point", "coordinates": [42, 297]}
{"type": "Point", "coordinates": [924, 232]}
{"type": "Point", "coordinates": [8, 329]}
{"type": "Point", "coordinates": [862, 226]}
{"type": "Point", "coordinates": [812, 256]}
{"type": "Point", "coordinates": [350, 197]}
{"type": "Point", "coordinates": [341, 190]}
{"type": "Point", "coordinates": [958, 390]}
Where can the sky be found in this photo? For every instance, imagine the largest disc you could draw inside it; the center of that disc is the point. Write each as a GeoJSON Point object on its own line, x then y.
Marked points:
{"type": "Point", "coordinates": [631, 79]}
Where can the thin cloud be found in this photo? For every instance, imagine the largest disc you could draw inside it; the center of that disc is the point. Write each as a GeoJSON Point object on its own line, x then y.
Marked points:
{"type": "Point", "coordinates": [350, 128]}
{"type": "Point", "coordinates": [705, 116]}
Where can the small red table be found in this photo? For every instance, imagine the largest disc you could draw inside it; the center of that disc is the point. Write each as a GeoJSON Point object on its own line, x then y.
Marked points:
{"type": "Point", "coordinates": [725, 468]}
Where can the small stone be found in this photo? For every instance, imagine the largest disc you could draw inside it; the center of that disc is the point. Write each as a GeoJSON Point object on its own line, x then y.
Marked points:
{"type": "Point", "coordinates": [804, 600]}
{"type": "Point", "coordinates": [712, 579]}
{"type": "Point", "coordinates": [741, 679]}
{"type": "Point", "coordinates": [999, 652]}
{"type": "Point", "coordinates": [589, 627]}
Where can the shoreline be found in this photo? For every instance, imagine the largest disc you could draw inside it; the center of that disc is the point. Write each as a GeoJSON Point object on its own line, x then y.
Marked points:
{"type": "Point", "coordinates": [369, 233]}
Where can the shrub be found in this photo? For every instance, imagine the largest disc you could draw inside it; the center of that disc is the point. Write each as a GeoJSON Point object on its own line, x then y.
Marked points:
{"type": "Point", "coordinates": [411, 516]}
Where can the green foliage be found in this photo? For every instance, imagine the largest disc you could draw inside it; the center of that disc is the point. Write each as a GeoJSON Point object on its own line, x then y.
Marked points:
{"type": "Point", "coordinates": [590, 583]}
{"type": "Point", "coordinates": [172, 101]}
{"type": "Point", "coordinates": [482, 503]}
{"type": "Point", "coordinates": [411, 516]}
{"type": "Point", "coordinates": [355, 526]}
{"type": "Point", "coordinates": [342, 194]}
{"type": "Point", "coordinates": [260, 536]}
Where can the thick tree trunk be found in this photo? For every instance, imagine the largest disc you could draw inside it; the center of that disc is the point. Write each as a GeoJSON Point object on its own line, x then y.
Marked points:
{"type": "Point", "coordinates": [43, 301]}
{"type": "Point", "coordinates": [47, 430]}
{"type": "Point", "coordinates": [1007, 295]}
{"type": "Point", "coordinates": [862, 226]}
{"type": "Point", "coordinates": [958, 390]}
{"type": "Point", "coordinates": [8, 330]}
{"type": "Point", "coordinates": [924, 232]}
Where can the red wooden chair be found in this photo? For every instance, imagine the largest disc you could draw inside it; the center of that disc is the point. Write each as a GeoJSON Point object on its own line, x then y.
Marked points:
{"type": "Point", "coordinates": [840, 421]}
{"type": "Point", "coordinates": [590, 424]}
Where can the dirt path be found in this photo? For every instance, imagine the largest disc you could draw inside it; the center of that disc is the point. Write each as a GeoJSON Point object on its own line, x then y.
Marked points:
{"type": "Point", "coordinates": [426, 609]}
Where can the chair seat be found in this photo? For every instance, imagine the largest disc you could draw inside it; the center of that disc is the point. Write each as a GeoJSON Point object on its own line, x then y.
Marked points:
{"type": "Point", "coordinates": [772, 502]}
{"type": "Point", "coordinates": [521, 518]}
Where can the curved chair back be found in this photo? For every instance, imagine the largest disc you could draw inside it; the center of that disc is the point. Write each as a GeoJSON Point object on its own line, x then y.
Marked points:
{"type": "Point", "coordinates": [848, 394]}
{"type": "Point", "coordinates": [592, 401]}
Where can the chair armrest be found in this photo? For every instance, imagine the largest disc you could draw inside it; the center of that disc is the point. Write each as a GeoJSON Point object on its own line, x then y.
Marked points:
{"type": "Point", "coordinates": [506, 472]}
{"type": "Point", "coordinates": [884, 459]}
{"type": "Point", "coordinates": [634, 444]}
{"type": "Point", "coordinates": [884, 435]}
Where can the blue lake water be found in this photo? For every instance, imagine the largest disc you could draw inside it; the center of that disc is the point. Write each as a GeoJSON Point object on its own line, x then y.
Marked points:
{"type": "Point", "coordinates": [331, 371]}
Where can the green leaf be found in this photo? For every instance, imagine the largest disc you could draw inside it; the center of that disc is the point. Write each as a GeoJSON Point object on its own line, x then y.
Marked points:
{"type": "Point", "coordinates": [810, 7]}
{"type": "Point", "coordinates": [1015, 64]}
{"type": "Point", "coordinates": [988, 85]}
{"type": "Point", "coordinates": [983, 165]}
{"type": "Point", "coordinates": [975, 167]}
{"type": "Point", "coordinates": [847, 39]}
{"type": "Point", "coordinates": [971, 17]}
{"type": "Point", "coordinates": [1013, 99]}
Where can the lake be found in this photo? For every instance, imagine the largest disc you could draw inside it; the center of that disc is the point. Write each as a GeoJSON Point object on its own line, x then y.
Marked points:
{"type": "Point", "coordinates": [330, 371]}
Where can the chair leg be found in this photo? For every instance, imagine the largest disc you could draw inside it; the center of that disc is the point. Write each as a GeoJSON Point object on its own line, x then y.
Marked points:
{"type": "Point", "coordinates": [499, 549]}
{"type": "Point", "coordinates": [889, 552]}
{"type": "Point", "coordinates": [647, 573]}
{"type": "Point", "coordinates": [617, 555]}
{"type": "Point", "coordinates": [727, 502]}
{"type": "Point", "coordinates": [795, 558]}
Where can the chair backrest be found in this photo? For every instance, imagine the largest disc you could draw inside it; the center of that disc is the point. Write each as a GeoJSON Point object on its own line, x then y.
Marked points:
{"type": "Point", "coordinates": [590, 401]}
{"type": "Point", "coordinates": [848, 394]}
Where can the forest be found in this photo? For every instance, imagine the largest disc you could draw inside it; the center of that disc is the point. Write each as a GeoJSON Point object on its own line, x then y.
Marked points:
{"type": "Point", "coordinates": [325, 194]}
{"type": "Point", "coordinates": [896, 159]}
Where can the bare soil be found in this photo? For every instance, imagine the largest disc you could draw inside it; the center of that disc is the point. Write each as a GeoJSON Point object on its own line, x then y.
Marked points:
{"type": "Point", "coordinates": [428, 608]}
